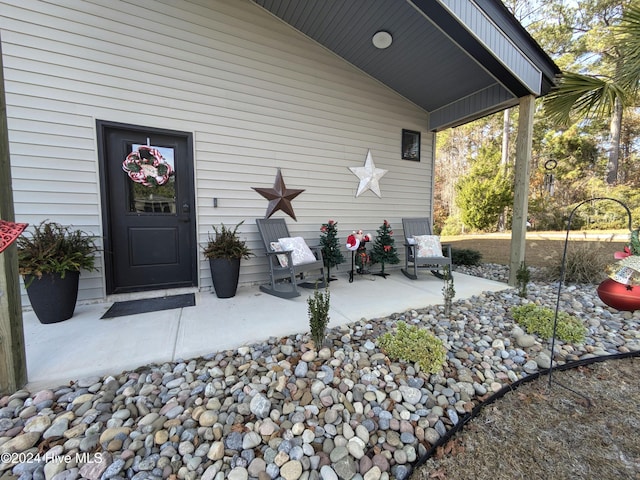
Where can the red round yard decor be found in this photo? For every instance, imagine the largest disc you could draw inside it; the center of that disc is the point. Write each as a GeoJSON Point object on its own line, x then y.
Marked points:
{"type": "Point", "coordinates": [9, 231]}
{"type": "Point", "coordinates": [147, 166]}
{"type": "Point", "coordinates": [619, 296]}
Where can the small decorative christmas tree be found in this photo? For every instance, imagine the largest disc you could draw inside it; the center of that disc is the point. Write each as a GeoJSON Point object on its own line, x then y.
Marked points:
{"type": "Point", "coordinates": [384, 250]}
{"type": "Point", "coordinates": [331, 253]}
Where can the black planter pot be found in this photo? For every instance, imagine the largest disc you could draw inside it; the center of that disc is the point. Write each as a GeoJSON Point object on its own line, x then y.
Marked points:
{"type": "Point", "coordinates": [52, 297]}
{"type": "Point", "coordinates": [225, 274]}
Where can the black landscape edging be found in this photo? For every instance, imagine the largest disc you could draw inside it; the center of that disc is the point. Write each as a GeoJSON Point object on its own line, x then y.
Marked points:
{"type": "Point", "coordinates": [510, 388]}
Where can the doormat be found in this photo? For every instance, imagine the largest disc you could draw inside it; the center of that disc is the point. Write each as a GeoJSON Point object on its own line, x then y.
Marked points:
{"type": "Point", "coordinates": [134, 307]}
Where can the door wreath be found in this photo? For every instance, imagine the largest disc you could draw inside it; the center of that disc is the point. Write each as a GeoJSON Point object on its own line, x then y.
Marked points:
{"type": "Point", "coordinates": [147, 166]}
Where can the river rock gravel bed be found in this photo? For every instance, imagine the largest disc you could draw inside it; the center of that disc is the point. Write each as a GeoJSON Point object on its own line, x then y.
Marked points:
{"type": "Point", "coordinates": [281, 409]}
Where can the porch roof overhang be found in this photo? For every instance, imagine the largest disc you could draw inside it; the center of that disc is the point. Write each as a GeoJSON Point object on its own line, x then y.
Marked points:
{"type": "Point", "coordinates": [459, 60]}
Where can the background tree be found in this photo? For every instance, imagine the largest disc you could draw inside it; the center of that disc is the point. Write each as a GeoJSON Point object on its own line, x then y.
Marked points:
{"type": "Point", "coordinates": [485, 192]}
{"type": "Point", "coordinates": [384, 250]}
{"type": "Point", "coordinates": [456, 149]}
{"type": "Point", "coordinates": [571, 162]}
{"type": "Point", "coordinates": [609, 86]}
{"type": "Point", "coordinates": [331, 253]}
{"type": "Point", "coordinates": [575, 34]}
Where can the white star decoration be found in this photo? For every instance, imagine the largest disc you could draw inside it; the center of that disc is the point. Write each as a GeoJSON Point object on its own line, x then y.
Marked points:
{"type": "Point", "coordinates": [369, 176]}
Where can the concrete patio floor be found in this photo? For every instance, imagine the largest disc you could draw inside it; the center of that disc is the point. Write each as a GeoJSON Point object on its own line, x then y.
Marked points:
{"type": "Point", "coordinates": [87, 345]}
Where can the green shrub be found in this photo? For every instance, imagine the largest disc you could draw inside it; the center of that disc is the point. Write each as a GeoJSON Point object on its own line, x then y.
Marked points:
{"type": "Point", "coordinates": [414, 344]}
{"type": "Point", "coordinates": [465, 256]}
{"type": "Point", "coordinates": [452, 226]}
{"type": "Point", "coordinates": [318, 310]}
{"type": "Point", "coordinates": [539, 320]}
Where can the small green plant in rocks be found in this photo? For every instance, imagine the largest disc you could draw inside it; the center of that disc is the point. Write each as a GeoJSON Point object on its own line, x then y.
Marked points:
{"type": "Point", "coordinates": [448, 290]}
{"type": "Point", "coordinates": [539, 320]}
{"type": "Point", "coordinates": [523, 277]}
{"type": "Point", "coordinates": [414, 344]}
{"type": "Point", "coordinates": [319, 315]}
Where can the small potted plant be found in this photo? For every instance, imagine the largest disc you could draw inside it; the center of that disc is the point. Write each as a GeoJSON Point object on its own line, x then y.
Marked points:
{"type": "Point", "coordinates": [224, 251]}
{"type": "Point", "coordinates": [50, 260]}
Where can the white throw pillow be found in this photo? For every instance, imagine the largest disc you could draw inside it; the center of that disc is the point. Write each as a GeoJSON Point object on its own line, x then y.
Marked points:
{"type": "Point", "coordinates": [428, 246]}
{"type": "Point", "coordinates": [282, 259]}
{"type": "Point", "coordinates": [301, 253]}
{"type": "Point", "coordinates": [411, 241]}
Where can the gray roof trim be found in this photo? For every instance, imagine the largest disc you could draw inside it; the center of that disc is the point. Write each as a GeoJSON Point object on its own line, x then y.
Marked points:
{"type": "Point", "coordinates": [496, 10]}
{"type": "Point", "coordinates": [495, 40]}
{"type": "Point", "coordinates": [468, 42]}
{"type": "Point", "coordinates": [490, 100]}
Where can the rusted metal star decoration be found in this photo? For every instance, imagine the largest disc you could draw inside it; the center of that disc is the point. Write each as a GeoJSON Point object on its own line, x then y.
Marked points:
{"type": "Point", "coordinates": [279, 197]}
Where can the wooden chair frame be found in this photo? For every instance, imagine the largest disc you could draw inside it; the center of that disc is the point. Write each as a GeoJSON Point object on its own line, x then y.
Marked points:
{"type": "Point", "coordinates": [284, 281]}
{"type": "Point", "coordinates": [421, 226]}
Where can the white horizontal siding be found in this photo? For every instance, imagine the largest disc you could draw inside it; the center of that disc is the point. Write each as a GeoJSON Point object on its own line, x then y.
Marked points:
{"type": "Point", "coordinates": [256, 94]}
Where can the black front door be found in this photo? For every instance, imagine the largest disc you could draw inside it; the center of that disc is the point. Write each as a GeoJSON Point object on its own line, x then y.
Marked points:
{"type": "Point", "coordinates": [148, 208]}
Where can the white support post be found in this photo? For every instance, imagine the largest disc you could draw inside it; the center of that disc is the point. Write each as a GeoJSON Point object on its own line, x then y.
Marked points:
{"type": "Point", "coordinates": [521, 187]}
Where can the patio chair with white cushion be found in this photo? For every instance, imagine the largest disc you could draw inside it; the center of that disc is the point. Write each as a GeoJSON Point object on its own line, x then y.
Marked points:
{"type": "Point", "coordinates": [422, 248]}
{"type": "Point", "coordinates": [290, 259]}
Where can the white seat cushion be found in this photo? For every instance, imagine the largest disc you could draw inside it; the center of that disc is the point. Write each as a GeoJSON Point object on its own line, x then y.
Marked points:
{"type": "Point", "coordinates": [428, 246]}
{"type": "Point", "coordinates": [301, 253]}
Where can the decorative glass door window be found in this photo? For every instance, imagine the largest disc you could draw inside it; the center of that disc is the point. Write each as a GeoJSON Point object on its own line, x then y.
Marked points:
{"type": "Point", "coordinates": [151, 185]}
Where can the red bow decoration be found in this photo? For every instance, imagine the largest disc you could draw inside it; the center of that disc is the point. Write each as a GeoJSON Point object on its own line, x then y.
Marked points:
{"type": "Point", "coordinates": [621, 255]}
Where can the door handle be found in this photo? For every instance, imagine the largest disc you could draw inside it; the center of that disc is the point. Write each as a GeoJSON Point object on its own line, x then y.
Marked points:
{"type": "Point", "coordinates": [186, 210]}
